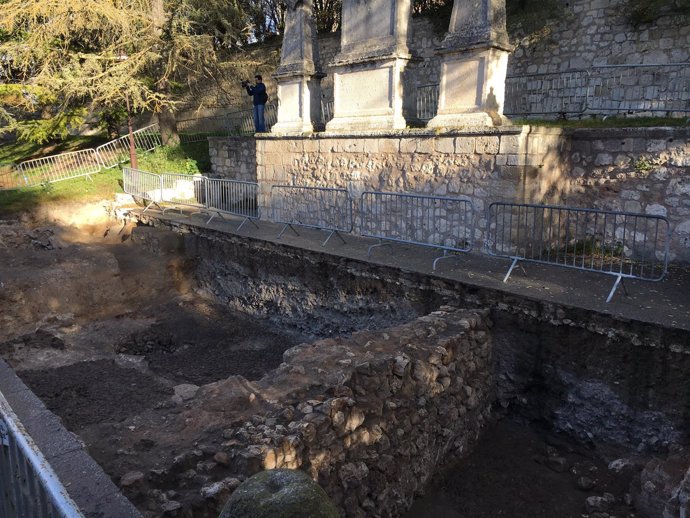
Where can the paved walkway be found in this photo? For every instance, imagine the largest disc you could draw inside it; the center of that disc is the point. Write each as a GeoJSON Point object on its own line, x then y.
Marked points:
{"type": "Point", "coordinates": [665, 303]}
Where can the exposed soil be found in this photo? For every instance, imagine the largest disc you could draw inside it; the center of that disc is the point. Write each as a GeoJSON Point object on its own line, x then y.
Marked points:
{"type": "Point", "coordinates": [103, 330]}
{"type": "Point", "coordinates": [518, 470]}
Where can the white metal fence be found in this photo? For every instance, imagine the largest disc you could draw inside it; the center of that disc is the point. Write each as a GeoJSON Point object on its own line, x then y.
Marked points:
{"type": "Point", "coordinates": [232, 197]}
{"type": "Point", "coordinates": [59, 167]}
{"type": "Point", "coordinates": [116, 151]}
{"type": "Point", "coordinates": [146, 186]}
{"type": "Point", "coordinates": [439, 222]}
{"type": "Point", "coordinates": [28, 486]}
{"type": "Point", "coordinates": [625, 245]}
{"type": "Point", "coordinates": [622, 244]}
{"type": "Point", "coordinates": [322, 208]}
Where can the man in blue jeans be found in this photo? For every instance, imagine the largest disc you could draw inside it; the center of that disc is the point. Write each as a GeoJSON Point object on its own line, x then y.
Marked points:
{"type": "Point", "coordinates": [258, 92]}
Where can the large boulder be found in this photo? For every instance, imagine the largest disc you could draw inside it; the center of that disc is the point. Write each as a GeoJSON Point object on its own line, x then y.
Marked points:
{"type": "Point", "coordinates": [279, 493]}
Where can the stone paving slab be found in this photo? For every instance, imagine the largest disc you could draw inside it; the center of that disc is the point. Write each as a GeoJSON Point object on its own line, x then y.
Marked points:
{"type": "Point", "coordinates": [665, 303]}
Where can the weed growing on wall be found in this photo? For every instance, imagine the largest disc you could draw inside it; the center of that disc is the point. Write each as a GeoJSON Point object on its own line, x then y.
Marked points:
{"type": "Point", "coordinates": [647, 11]}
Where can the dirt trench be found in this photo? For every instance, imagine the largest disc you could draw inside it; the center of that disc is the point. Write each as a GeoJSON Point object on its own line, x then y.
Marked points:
{"type": "Point", "coordinates": [109, 331]}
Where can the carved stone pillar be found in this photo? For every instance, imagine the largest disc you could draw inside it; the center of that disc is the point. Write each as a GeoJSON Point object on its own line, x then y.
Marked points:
{"type": "Point", "coordinates": [367, 73]}
{"type": "Point", "coordinates": [298, 76]}
{"type": "Point", "coordinates": [473, 70]}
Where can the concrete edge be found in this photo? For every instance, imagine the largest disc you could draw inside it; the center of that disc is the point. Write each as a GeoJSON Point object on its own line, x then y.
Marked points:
{"type": "Point", "coordinates": [85, 481]}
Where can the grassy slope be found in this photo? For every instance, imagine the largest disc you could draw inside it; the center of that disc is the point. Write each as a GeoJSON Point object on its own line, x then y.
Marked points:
{"type": "Point", "coordinates": [184, 159]}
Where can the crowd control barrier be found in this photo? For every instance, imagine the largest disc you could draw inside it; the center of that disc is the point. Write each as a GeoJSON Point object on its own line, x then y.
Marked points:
{"type": "Point", "coordinates": [433, 221]}
{"type": "Point", "coordinates": [322, 208]}
{"type": "Point", "coordinates": [621, 244]}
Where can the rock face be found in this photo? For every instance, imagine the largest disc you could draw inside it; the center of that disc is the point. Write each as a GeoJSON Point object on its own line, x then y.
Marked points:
{"type": "Point", "coordinates": [279, 493]}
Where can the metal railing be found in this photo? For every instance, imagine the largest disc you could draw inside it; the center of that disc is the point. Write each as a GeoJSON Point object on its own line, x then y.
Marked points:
{"type": "Point", "coordinates": [270, 118]}
{"type": "Point", "coordinates": [58, 167]}
{"type": "Point", "coordinates": [28, 486]}
{"type": "Point", "coordinates": [232, 197]}
{"type": "Point", "coordinates": [143, 185]}
{"type": "Point", "coordinates": [116, 151]}
{"type": "Point", "coordinates": [326, 111]}
{"type": "Point", "coordinates": [200, 128]}
{"type": "Point", "coordinates": [622, 244]}
{"type": "Point", "coordinates": [322, 208]}
{"type": "Point", "coordinates": [10, 177]}
{"type": "Point", "coordinates": [182, 190]}
{"type": "Point", "coordinates": [563, 93]}
{"type": "Point", "coordinates": [653, 90]}
{"type": "Point", "coordinates": [427, 102]}
{"type": "Point", "coordinates": [433, 221]}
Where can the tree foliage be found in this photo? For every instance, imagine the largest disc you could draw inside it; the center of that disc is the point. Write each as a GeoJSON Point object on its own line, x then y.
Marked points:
{"type": "Point", "coordinates": [63, 60]}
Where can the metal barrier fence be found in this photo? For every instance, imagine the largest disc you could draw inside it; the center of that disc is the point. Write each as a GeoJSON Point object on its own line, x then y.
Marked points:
{"type": "Point", "coordinates": [10, 177]}
{"type": "Point", "coordinates": [327, 111]}
{"type": "Point", "coordinates": [563, 93]}
{"type": "Point", "coordinates": [432, 221]}
{"type": "Point", "coordinates": [427, 102]}
{"type": "Point", "coordinates": [270, 117]}
{"type": "Point", "coordinates": [653, 90]}
{"type": "Point", "coordinates": [142, 184]}
{"type": "Point", "coordinates": [28, 486]}
{"type": "Point", "coordinates": [116, 151]}
{"type": "Point", "coordinates": [199, 129]}
{"type": "Point", "coordinates": [622, 244]}
{"type": "Point", "coordinates": [59, 167]}
{"type": "Point", "coordinates": [322, 208]}
{"type": "Point", "coordinates": [182, 190]}
{"type": "Point", "coordinates": [232, 197]}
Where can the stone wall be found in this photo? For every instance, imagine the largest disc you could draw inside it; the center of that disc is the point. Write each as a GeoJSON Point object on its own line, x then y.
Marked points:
{"type": "Point", "coordinates": [581, 34]}
{"type": "Point", "coordinates": [632, 170]}
{"type": "Point", "coordinates": [372, 417]}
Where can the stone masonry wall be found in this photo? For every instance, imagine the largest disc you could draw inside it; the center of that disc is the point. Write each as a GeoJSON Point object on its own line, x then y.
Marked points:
{"type": "Point", "coordinates": [584, 34]}
{"type": "Point", "coordinates": [632, 170]}
{"type": "Point", "coordinates": [380, 414]}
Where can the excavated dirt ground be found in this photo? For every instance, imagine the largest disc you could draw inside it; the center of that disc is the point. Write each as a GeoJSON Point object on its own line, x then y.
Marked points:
{"type": "Point", "coordinates": [103, 330]}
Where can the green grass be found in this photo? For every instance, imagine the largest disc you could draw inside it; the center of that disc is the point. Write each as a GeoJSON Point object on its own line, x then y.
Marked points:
{"type": "Point", "coordinates": [609, 122]}
{"type": "Point", "coordinates": [101, 186]}
{"type": "Point", "coordinates": [190, 158]}
{"type": "Point", "coordinates": [15, 152]}
{"type": "Point", "coordinates": [187, 158]}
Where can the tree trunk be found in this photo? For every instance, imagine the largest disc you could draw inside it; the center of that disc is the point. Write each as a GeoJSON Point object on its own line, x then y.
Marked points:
{"type": "Point", "coordinates": [168, 127]}
{"type": "Point", "coordinates": [166, 118]}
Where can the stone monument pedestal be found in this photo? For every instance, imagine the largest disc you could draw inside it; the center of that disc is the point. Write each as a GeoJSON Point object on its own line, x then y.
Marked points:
{"type": "Point", "coordinates": [367, 73]}
{"type": "Point", "coordinates": [299, 80]}
{"type": "Point", "coordinates": [473, 71]}
{"type": "Point", "coordinates": [368, 96]}
{"type": "Point", "coordinates": [300, 104]}
{"type": "Point", "coordinates": [472, 88]}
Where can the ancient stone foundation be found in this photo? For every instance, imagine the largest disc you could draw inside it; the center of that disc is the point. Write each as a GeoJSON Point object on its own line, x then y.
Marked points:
{"type": "Point", "coordinates": [374, 416]}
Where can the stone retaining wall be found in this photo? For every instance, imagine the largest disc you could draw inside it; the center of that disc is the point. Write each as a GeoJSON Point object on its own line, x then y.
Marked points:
{"type": "Point", "coordinates": [633, 169]}
{"type": "Point", "coordinates": [372, 417]}
{"type": "Point", "coordinates": [580, 35]}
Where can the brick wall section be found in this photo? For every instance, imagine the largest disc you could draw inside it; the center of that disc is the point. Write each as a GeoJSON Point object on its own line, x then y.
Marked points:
{"type": "Point", "coordinates": [634, 170]}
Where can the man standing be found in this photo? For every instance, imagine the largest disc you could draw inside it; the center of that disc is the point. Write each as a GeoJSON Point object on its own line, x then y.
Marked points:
{"type": "Point", "coordinates": [258, 92]}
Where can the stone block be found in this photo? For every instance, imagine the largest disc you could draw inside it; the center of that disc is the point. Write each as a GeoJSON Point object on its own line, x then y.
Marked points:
{"type": "Point", "coordinates": [371, 145]}
{"type": "Point", "coordinates": [389, 145]}
{"type": "Point", "coordinates": [487, 145]}
{"type": "Point", "coordinates": [510, 144]}
{"type": "Point", "coordinates": [464, 145]}
{"type": "Point", "coordinates": [408, 145]}
{"type": "Point", "coordinates": [424, 146]}
{"type": "Point", "coordinates": [445, 145]}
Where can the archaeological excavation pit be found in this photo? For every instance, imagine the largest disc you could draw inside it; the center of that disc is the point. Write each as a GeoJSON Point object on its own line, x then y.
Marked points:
{"type": "Point", "coordinates": [186, 359]}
